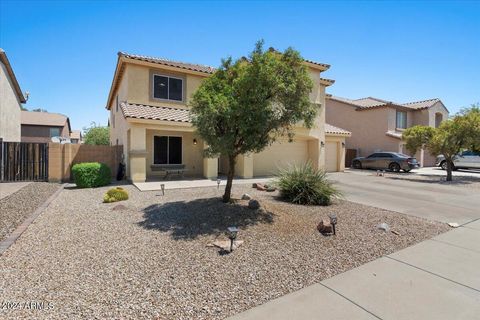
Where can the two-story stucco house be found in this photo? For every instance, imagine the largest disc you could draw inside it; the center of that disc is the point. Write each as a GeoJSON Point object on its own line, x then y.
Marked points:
{"type": "Point", "coordinates": [377, 125]}
{"type": "Point", "coordinates": [11, 99]}
{"type": "Point", "coordinates": [149, 115]}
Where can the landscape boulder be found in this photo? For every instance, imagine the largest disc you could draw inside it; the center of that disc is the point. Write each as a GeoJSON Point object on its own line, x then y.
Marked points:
{"type": "Point", "coordinates": [325, 226]}
{"type": "Point", "coordinates": [253, 204]}
{"type": "Point", "coordinates": [246, 196]}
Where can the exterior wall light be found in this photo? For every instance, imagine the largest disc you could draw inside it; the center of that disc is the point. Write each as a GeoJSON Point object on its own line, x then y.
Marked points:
{"type": "Point", "coordinates": [322, 144]}
{"type": "Point", "coordinates": [195, 142]}
{"type": "Point", "coordinates": [343, 144]}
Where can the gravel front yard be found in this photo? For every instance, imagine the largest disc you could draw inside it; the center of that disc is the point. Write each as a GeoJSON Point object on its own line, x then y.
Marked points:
{"type": "Point", "coordinates": [152, 259]}
{"type": "Point", "coordinates": [15, 208]}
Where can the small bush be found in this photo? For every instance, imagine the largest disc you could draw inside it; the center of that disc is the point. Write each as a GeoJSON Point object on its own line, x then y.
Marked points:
{"type": "Point", "coordinates": [91, 174]}
{"type": "Point", "coordinates": [306, 185]}
{"type": "Point", "coordinates": [115, 194]}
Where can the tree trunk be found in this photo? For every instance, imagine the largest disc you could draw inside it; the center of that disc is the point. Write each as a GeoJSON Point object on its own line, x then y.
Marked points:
{"type": "Point", "coordinates": [449, 169]}
{"type": "Point", "coordinates": [231, 173]}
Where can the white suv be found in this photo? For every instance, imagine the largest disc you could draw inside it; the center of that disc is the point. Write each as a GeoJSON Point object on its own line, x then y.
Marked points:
{"type": "Point", "coordinates": [465, 160]}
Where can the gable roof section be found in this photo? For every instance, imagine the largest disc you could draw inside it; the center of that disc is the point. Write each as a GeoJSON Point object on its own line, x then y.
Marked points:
{"type": "Point", "coordinates": [11, 74]}
{"type": "Point", "coordinates": [34, 118]}
{"type": "Point", "coordinates": [372, 103]}
{"type": "Point", "coordinates": [329, 129]}
{"type": "Point", "coordinates": [141, 111]}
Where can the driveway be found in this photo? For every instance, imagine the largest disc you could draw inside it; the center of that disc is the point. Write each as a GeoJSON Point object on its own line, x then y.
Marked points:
{"type": "Point", "coordinates": [444, 203]}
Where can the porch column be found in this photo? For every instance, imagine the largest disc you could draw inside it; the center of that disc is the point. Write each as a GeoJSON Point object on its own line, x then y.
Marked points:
{"type": "Point", "coordinates": [244, 166]}
{"type": "Point", "coordinates": [138, 154]}
{"type": "Point", "coordinates": [314, 153]}
{"type": "Point", "coordinates": [210, 167]}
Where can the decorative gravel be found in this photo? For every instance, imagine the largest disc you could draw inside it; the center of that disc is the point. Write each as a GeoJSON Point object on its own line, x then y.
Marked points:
{"type": "Point", "coordinates": [15, 208]}
{"type": "Point", "coordinates": [82, 259]}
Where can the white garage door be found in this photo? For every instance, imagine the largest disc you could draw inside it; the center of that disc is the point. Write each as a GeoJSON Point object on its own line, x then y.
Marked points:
{"type": "Point", "coordinates": [279, 155]}
{"type": "Point", "coordinates": [331, 156]}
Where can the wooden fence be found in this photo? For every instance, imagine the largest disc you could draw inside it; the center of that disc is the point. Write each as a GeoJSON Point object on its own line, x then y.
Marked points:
{"type": "Point", "coordinates": [63, 156]}
{"type": "Point", "coordinates": [349, 156]}
{"type": "Point", "coordinates": [23, 161]}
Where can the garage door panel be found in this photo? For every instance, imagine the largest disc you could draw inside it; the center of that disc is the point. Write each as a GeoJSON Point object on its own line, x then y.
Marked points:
{"type": "Point", "coordinates": [331, 156]}
{"type": "Point", "coordinates": [280, 155]}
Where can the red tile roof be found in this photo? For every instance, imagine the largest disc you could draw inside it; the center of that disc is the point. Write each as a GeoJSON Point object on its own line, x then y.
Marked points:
{"type": "Point", "coordinates": [141, 111]}
{"type": "Point", "coordinates": [371, 102]}
{"type": "Point", "coordinates": [336, 130]}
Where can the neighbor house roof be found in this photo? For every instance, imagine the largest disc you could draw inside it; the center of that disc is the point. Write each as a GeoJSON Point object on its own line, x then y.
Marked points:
{"type": "Point", "coordinates": [16, 86]}
{"type": "Point", "coordinates": [371, 102]}
{"type": "Point", "coordinates": [44, 119]}
{"type": "Point", "coordinates": [141, 111]}
{"type": "Point", "coordinates": [329, 129]}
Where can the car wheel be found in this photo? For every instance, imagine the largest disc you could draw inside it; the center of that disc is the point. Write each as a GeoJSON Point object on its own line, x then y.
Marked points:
{"type": "Point", "coordinates": [443, 165]}
{"type": "Point", "coordinates": [357, 164]}
{"type": "Point", "coordinates": [395, 167]}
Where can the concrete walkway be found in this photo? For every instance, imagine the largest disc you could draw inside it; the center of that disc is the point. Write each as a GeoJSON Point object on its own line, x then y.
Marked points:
{"type": "Point", "coordinates": [442, 203]}
{"type": "Point", "coordinates": [192, 183]}
{"type": "Point", "coordinates": [435, 279]}
{"type": "Point", "coordinates": [8, 188]}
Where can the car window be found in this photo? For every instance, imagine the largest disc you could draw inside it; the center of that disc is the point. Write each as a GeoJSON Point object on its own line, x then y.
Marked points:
{"type": "Point", "coordinates": [467, 153]}
{"type": "Point", "coordinates": [373, 155]}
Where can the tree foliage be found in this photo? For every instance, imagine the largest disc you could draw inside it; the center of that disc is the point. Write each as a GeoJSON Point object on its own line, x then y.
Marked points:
{"type": "Point", "coordinates": [450, 138]}
{"type": "Point", "coordinates": [96, 134]}
{"type": "Point", "coordinates": [248, 103]}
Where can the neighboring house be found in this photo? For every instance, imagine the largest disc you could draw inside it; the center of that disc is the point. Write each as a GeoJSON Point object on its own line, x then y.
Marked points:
{"type": "Point", "coordinates": [76, 137]}
{"type": "Point", "coordinates": [149, 115]}
{"type": "Point", "coordinates": [11, 99]}
{"type": "Point", "coordinates": [43, 126]}
{"type": "Point", "coordinates": [377, 125]}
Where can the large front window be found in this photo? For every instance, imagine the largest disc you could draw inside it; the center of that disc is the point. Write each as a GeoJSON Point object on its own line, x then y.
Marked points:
{"type": "Point", "coordinates": [168, 88]}
{"type": "Point", "coordinates": [167, 150]}
{"type": "Point", "coordinates": [401, 120]}
{"type": "Point", "coordinates": [54, 132]}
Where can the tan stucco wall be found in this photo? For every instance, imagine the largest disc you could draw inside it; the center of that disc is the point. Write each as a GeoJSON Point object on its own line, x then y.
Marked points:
{"type": "Point", "coordinates": [10, 108]}
{"type": "Point", "coordinates": [192, 155]}
{"type": "Point", "coordinates": [367, 127]}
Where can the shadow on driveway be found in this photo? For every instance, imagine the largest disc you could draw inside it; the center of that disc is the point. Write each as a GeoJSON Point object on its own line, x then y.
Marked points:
{"type": "Point", "coordinates": [200, 217]}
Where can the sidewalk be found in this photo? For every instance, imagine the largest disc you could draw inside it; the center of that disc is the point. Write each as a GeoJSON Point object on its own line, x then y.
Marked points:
{"type": "Point", "coordinates": [435, 279]}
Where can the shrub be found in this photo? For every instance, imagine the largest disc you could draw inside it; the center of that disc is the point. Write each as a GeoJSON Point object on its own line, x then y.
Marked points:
{"type": "Point", "coordinates": [306, 185]}
{"type": "Point", "coordinates": [91, 174]}
{"type": "Point", "coordinates": [115, 194]}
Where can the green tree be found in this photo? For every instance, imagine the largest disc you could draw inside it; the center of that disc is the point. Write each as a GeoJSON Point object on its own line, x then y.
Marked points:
{"type": "Point", "coordinates": [455, 134]}
{"type": "Point", "coordinates": [248, 103]}
{"type": "Point", "coordinates": [96, 134]}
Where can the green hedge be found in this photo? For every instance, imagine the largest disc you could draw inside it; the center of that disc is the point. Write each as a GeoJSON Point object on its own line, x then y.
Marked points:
{"type": "Point", "coordinates": [91, 174]}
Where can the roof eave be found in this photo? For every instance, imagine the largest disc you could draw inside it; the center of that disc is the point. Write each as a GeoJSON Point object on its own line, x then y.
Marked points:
{"type": "Point", "coordinates": [6, 62]}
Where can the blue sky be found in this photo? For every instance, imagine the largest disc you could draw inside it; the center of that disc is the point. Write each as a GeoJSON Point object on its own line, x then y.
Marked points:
{"type": "Point", "coordinates": [64, 53]}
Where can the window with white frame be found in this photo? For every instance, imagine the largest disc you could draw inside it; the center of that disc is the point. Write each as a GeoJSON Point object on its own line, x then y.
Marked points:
{"type": "Point", "coordinates": [168, 88]}
{"type": "Point", "coordinates": [167, 150]}
{"type": "Point", "coordinates": [401, 120]}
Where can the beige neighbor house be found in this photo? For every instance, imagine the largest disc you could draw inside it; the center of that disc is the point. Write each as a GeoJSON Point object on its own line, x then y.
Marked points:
{"type": "Point", "coordinates": [41, 127]}
{"type": "Point", "coordinates": [149, 115]}
{"type": "Point", "coordinates": [377, 125]}
{"type": "Point", "coordinates": [11, 99]}
{"type": "Point", "coordinates": [76, 137]}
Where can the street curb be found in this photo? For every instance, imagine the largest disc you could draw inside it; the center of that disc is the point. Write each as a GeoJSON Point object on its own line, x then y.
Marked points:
{"type": "Point", "coordinates": [5, 244]}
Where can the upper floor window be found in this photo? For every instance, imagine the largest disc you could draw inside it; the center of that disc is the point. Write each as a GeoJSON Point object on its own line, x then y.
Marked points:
{"type": "Point", "coordinates": [168, 88]}
{"type": "Point", "coordinates": [401, 120]}
{"type": "Point", "coordinates": [54, 132]}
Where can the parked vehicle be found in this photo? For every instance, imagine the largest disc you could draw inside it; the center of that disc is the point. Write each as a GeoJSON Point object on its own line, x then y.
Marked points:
{"type": "Point", "coordinates": [392, 161]}
{"type": "Point", "coordinates": [465, 160]}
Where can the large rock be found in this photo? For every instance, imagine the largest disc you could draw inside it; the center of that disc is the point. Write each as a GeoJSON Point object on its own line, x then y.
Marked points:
{"type": "Point", "coordinates": [325, 226]}
{"type": "Point", "coordinates": [246, 196]}
{"type": "Point", "coordinates": [261, 187]}
{"type": "Point", "coordinates": [253, 204]}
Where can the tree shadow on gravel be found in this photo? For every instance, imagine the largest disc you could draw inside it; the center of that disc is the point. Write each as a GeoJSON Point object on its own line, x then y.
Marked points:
{"type": "Point", "coordinates": [200, 217]}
